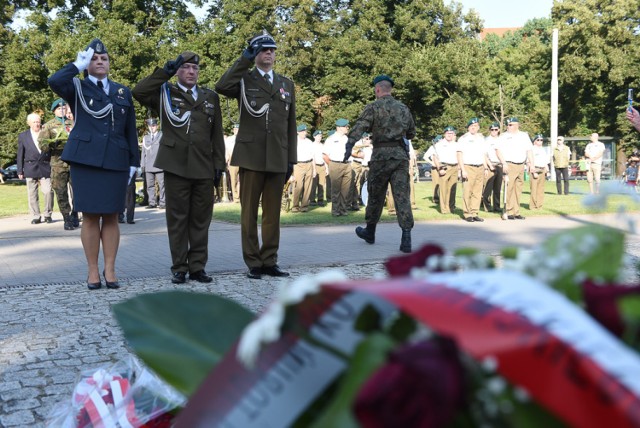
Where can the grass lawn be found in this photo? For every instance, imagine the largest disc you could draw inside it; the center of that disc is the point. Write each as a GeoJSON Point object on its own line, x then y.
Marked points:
{"type": "Point", "coordinates": [13, 197]}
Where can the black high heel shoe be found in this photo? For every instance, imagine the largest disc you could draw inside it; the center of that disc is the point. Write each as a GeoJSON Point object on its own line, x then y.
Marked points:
{"type": "Point", "coordinates": [110, 284]}
{"type": "Point", "coordinates": [94, 285]}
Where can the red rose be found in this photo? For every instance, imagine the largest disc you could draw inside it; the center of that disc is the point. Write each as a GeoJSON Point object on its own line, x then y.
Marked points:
{"type": "Point", "coordinates": [421, 386]}
{"type": "Point", "coordinates": [602, 303]}
{"type": "Point", "coordinates": [402, 265]}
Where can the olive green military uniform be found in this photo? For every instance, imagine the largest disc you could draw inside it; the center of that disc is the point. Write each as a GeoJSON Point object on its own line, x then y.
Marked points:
{"type": "Point", "coordinates": [265, 146]}
{"type": "Point", "coordinates": [53, 137]}
{"type": "Point", "coordinates": [189, 154]}
{"type": "Point", "coordinates": [388, 121]}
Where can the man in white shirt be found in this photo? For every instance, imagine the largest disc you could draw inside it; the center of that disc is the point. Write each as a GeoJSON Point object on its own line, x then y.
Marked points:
{"type": "Point", "coordinates": [539, 173]}
{"type": "Point", "coordinates": [471, 156]}
{"type": "Point", "coordinates": [319, 184]}
{"type": "Point", "coordinates": [234, 171]}
{"type": "Point", "coordinates": [594, 152]}
{"type": "Point", "coordinates": [339, 169]}
{"type": "Point", "coordinates": [493, 179]}
{"type": "Point", "coordinates": [446, 161]}
{"type": "Point", "coordinates": [303, 172]}
{"type": "Point", "coordinates": [515, 152]}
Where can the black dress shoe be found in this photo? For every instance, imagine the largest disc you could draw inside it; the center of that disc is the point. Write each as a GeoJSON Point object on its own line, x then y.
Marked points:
{"type": "Point", "coordinates": [36, 221]}
{"type": "Point", "coordinates": [131, 222]}
{"type": "Point", "coordinates": [179, 278]}
{"type": "Point", "coordinates": [470, 219]}
{"type": "Point", "coordinates": [200, 276]}
{"type": "Point", "coordinates": [120, 220]}
{"type": "Point", "coordinates": [150, 207]}
{"type": "Point", "coordinates": [518, 217]}
{"type": "Point", "coordinates": [476, 218]}
{"type": "Point", "coordinates": [254, 273]}
{"type": "Point", "coordinates": [93, 285]}
{"type": "Point", "coordinates": [110, 284]}
{"type": "Point", "coordinates": [274, 271]}
{"type": "Point", "coordinates": [510, 217]}
{"type": "Point", "coordinates": [48, 220]}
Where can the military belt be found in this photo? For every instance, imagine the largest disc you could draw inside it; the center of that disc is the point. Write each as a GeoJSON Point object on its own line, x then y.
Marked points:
{"type": "Point", "coordinates": [399, 143]}
{"type": "Point", "coordinates": [471, 164]}
{"type": "Point", "coordinates": [515, 163]}
{"type": "Point", "coordinates": [307, 161]}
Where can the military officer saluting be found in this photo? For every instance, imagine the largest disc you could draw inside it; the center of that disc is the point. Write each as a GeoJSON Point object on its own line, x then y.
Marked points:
{"type": "Point", "coordinates": [192, 156]}
{"type": "Point", "coordinates": [265, 150]}
{"type": "Point", "coordinates": [472, 154]}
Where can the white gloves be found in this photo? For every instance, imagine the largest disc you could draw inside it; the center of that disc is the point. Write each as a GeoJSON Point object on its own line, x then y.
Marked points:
{"type": "Point", "coordinates": [132, 171]}
{"type": "Point", "coordinates": [83, 59]}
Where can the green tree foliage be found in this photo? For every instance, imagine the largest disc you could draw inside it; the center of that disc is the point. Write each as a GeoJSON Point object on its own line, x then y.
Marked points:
{"type": "Point", "coordinates": [333, 48]}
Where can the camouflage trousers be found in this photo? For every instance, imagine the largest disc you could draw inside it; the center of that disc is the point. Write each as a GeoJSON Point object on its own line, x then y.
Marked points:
{"type": "Point", "coordinates": [60, 182]}
{"type": "Point", "coordinates": [381, 174]}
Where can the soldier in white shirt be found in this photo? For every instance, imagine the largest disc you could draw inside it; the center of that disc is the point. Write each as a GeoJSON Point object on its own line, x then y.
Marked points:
{"type": "Point", "coordinates": [446, 160]}
{"type": "Point", "coordinates": [594, 152]}
{"type": "Point", "coordinates": [303, 172]}
{"type": "Point", "coordinates": [435, 177]}
{"type": "Point", "coordinates": [493, 179]}
{"type": "Point", "coordinates": [319, 183]}
{"type": "Point", "coordinates": [539, 174]}
{"type": "Point", "coordinates": [358, 166]}
{"type": "Point", "coordinates": [471, 156]}
{"type": "Point", "coordinates": [234, 171]}
{"type": "Point", "coordinates": [339, 169]}
{"type": "Point", "coordinates": [515, 152]}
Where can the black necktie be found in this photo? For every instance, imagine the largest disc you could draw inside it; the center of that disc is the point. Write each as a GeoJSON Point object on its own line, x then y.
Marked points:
{"type": "Point", "coordinates": [100, 85]}
{"type": "Point", "coordinates": [267, 77]}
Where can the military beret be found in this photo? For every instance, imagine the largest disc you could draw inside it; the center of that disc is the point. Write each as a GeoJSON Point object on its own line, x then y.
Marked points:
{"type": "Point", "coordinates": [152, 121]}
{"type": "Point", "coordinates": [263, 40]}
{"type": "Point", "coordinates": [56, 103]}
{"type": "Point", "coordinates": [236, 125]}
{"type": "Point", "coordinates": [97, 46]}
{"type": "Point", "coordinates": [316, 133]}
{"type": "Point", "coordinates": [495, 125]}
{"type": "Point", "coordinates": [437, 138]}
{"type": "Point", "coordinates": [190, 57]}
{"type": "Point", "coordinates": [301, 127]}
{"type": "Point", "coordinates": [449, 128]}
{"type": "Point", "coordinates": [472, 121]}
{"type": "Point", "coordinates": [365, 135]}
{"type": "Point", "coordinates": [561, 139]}
{"type": "Point", "coordinates": [342, 122]}
{"type": "Point", "coordinates": [538, 136]}
{"type": "Point", "coordinates": [381, 78]}
{"type": "Point", "coordinates": [512, 120]}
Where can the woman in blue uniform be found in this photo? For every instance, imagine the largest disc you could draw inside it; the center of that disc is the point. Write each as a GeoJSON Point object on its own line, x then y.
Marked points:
{"type": "Point", "coordinates": [102, 151]}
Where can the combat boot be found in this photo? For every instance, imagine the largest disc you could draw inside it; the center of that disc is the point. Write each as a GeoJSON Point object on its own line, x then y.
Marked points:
{"type": "Point", "coordinates": [68, 223]}
{"type": "Point", "coordinates": [405, 243]}
{"type": "Point", "coordinates": [367, 233]}
{"type": "Point", "coordinates": [75, 221]}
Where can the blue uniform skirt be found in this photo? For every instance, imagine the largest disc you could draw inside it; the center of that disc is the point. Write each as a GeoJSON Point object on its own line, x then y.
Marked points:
{"type": "Point", "coordinates": [97, 190]}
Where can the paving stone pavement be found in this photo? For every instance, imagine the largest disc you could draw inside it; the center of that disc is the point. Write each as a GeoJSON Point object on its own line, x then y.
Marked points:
{"type": "Point", "coordinates": [52, 327]}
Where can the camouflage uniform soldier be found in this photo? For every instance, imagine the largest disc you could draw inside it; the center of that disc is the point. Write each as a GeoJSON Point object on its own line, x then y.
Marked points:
{"type": "Point", "coordinates": [391, 124]}
{"type": "Point", "coordinates": [53, 137]}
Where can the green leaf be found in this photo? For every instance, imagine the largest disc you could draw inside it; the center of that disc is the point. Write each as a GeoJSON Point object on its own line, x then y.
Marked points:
{"type": "Point", "coordinates": [181, 335]}
{"type": "Point", "coordinates": [369, 355]}
{"type": "Point", "coordinates": [368, 320]}
{"type": "Point", "coordinates": [466, 251]}
{"type": "Point", "coordinates": [583, 247]}
{"type": "Point", "coordinates": [509, 252]}
{"type": "Point", "coordinates": [402, 326]}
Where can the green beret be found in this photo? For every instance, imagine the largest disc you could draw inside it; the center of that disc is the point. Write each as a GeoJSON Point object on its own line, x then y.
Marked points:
{"type": "Point", "coordinates": [495, 125]}
{"type": "Point", "coordinates": [236, 125]}
{"type": "Point", "coordinates": [472, 121]}
{"type": "Point", "coordinates": [190, 57]}
{"type": "Point", "coordinates": [342, 122]}
{"type": "Point", "coordinates": [152, 121]}
{"type": "Point", "coordinates": [512, 119]}
{"type": "Point", "coordinates": [97, 46]}
{"type": "Point", "coordinates": [540, 136]}
{"type": "Point", "coordinates": [301, 127]}
{"type": "Point", "coordinates": [56, 103]}
{"type": "Point", "coordinates": [365, 134]}
{"type": "Point", "coordinates": [316, 133]}
{"type": "Point", "coordinates": [382, 77]}
{"type": "Point", "coordinates": [449, 128]}
{"type": "Point", "coordinates": [437, 138]}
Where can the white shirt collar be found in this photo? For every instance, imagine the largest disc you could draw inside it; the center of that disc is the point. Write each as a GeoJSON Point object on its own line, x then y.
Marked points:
{"type": "Point", "coordinates": [262, 73]}
{"type": "Point", "coordinates": [105, 83]}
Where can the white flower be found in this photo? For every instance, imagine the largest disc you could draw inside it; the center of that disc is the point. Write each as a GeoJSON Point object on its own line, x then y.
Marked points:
{"type": "Point", "coordinates": [490, 363]}
{"type": "Point", "coordinates": [496, 385]}
{"type": "Point", "coordinates": [266, 329]}
{"type": "Point", "coordinates": [521, 394]}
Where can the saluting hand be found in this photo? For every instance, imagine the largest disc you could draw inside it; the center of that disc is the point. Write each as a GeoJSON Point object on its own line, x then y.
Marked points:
{"type": "Point", "coordinates": [83, 59]}
{"type": "Point", "coordinates": [251, 52]}
{"type": "Point", "coordinates": [171, 67]}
